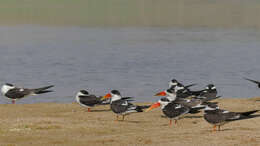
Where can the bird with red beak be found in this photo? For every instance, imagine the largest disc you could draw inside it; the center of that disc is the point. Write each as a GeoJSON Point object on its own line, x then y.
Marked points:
{"type": "Point", "coordinates": [122, 105]}
{"type": "Point", "coordinates": [170, 109]}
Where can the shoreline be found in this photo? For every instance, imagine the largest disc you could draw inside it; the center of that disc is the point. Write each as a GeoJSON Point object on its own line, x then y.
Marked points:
{"type": "Point", "coordinates": [71, 124]}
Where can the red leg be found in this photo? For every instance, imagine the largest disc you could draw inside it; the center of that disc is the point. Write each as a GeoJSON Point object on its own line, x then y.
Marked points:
{"type": "Point", "coordinates": [214, 128]}
{"type": "Point", "coordinates": [89, 110]}
{"type": "Point", "coordinates": [13, 101]}
{"type": "Point", "coordinates": [170, 122]}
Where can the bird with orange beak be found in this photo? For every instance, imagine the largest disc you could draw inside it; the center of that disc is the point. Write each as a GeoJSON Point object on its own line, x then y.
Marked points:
{"type": "Point", "coordinates": [121, 105]}
{"type": "Point", "coordinates": [170, 109]}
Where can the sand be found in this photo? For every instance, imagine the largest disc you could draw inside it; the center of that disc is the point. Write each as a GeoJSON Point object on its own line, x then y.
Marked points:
{"type": "Point", "coordinates": [132, 13]}
{"type": "Point", "coordinates": [70, 124]}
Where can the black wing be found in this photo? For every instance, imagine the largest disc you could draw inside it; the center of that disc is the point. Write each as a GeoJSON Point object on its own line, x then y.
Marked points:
{"type": "Point", "coordinates": [119, 106]}
{"type": "Point", "coordinates": [17, 93]}
{"type": "Point", "coordinates": [188, 86]}
{"type": "Point", "coordinates": [89, 100]}
{"type": "Point", "coordinates": [254, 81]}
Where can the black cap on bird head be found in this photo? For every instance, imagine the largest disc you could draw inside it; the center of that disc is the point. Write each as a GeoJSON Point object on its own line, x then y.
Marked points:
{"type": "Point", "coordinates": [84, 92]}
{"type": "Point", "coordinates": [115, 92]}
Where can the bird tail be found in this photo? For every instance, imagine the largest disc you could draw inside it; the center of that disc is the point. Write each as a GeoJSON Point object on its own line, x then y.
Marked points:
{"type": "Point", "coordinates": [188, 86]}
{"type": "Point", "coordinates": [43, 89]}
{"type": "Point", "coordinates": [210, 98]}
{"type": "Point", "coordinates": [196, 93]}
{"type": "Point", "coordinates": [248, 113]}
{"type": "Point", "coordinates": [140, 108]}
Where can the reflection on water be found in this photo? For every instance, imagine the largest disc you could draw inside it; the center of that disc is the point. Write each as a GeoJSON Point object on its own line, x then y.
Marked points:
{"type": "Point", "coordinates": [136, 61]}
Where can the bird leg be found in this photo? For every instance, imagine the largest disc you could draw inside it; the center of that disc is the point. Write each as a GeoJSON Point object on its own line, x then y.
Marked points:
{"type": "Point", "coordinates": [116, 118]}
{"type": "Point", "coordinates": [123, 117]}
{"type": "Point", "coordinates": [89, 110]}
{"type": "Point", "coordinates": [170, 122]}
{"type": "Point", "coordinates": [13, 101]}
{"type": "Point", "coordinates": [214, 128]}
{"type": "Point", "coordinates": [175, 121]}
{"type": "Point", "coordinates": [218, 127]}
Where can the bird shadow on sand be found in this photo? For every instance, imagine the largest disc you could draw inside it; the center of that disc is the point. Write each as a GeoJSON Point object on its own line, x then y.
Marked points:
{"type": "Point", "coordinates": [101, 110]}
{"type": "Point", "coordinates": [193, 117]}
{"type": "Point", "coordinates": [129, 121]}
{"type": "Point", "coordinates": [189, 117]}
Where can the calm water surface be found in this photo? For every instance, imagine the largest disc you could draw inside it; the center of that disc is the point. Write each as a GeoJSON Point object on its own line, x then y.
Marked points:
{"type": "Point", "coordinates": [137, 61]}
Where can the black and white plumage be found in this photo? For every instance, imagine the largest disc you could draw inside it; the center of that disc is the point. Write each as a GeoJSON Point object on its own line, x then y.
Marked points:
{"type": "Point", "coordinates": [122, 105]}
{"type": "Point", "coordinates": [253, 81]}
{"type": "Point", "coordinates": [173, 83]}
{"type": "Point", "coordinates": [89, 100]}
{"type": "Point", "coordinates": [209, 93]}
{"type": "Point", "coordinates": [194, 104]}
{"type": "Point", "coordinates": [14, 93]}
{"type": "Point", "coordinates": [170, 109]}
{"type": "Point", "coordinates": [219, 117]}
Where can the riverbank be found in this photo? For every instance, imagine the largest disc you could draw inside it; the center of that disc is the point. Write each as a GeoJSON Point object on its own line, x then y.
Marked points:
{"type": "Point", "coordinates": [70, 124]}
{"type": "Point", "coordinates": [132, 13]}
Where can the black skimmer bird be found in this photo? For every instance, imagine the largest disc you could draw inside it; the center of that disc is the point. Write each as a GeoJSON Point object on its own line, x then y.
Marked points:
{"type": "Point", "coordinates": [195, 104]}
{"type": "Point", "coordinates": [121, 105]}
{"type": "Point", "coordinates": [254, 81]}
{"type": "Point", "coordinates": [170, 109]}
{"type": "Point", "coordinates": [174, 83]}
{"type": "Point", "coordinates": [14, 93]}
{"type": "Point", "coordinates": [210, 93]}
{"type": "Point", "coordinates": [219, 117]}
{"type": "Point", "coordinates": [89, 100]}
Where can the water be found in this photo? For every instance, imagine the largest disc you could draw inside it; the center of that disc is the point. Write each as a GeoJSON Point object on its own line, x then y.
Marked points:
{"type": "Point", "coordinates": [137, 61]}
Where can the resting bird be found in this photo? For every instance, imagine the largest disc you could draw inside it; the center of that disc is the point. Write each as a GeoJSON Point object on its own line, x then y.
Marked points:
{"type": "Point", "coordinates": [14, 93]}
{"type": "Point", "coordinates": [174, 83]}
{"type": "Point", "coordinates": [121, 105]}
{"type": "Point", "coordinates": [209, 93]}
{"type": "Point", "coordinates": [219, 117]}
{"type": "Point", "coordinates": [174, 107]}
{"type": "Point", "coordinates": [170, 109]}
{"type": "Point", "coordinates": [89, 100]}
{"type": "Point", "coordinates": [254, 81]}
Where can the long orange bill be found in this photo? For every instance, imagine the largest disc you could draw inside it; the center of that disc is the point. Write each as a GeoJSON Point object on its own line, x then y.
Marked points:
{"type": "Point", "coordinates": [155, 105]}
{"type": "Point", "coordinates": [106, 96]}
{"type": "Point", "coordinates": [163, 93]}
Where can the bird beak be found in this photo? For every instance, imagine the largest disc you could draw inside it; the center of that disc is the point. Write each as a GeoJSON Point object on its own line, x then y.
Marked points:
{"type": "Point", "coordinates": [155, 105]}
{"type": "Point", "coordinates": [106, 96]}
{"type": "Point", "coordinates": [163, 93]}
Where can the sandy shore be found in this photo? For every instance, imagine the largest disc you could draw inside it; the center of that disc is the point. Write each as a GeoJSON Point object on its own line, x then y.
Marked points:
{"type": "Point", "coordinates": [70, 124]}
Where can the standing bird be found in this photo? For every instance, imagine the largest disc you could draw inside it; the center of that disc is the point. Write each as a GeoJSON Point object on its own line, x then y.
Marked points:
{"type": "Point", "coordinates": [14, 93]}
{"type": "Point", "coordinates": [89, 100]}
{"type": "Point", "coordinates": [254, 81]}
{"type": "Point", "coordinates": [194, 104]}
{"type": "Point", "coordinates": [121, 105]}
{"type": "Point", "coordinates": [219, 117]}
{"type": "Point", "coordinates": [170, 109]}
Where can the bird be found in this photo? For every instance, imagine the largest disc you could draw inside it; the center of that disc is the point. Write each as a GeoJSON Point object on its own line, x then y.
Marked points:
{"type": "Point", "coordinates": [122, 105]}
{"type": "Point", "coordinates": [174, 83]}
{"type": "Point", "coordinates": [89, 100]}
{"type": "Point", "coordinates": [209, 93]}
{"type": "Point", "coordinates": [14, 93]}
{"type": "Point", "coordinates": [254, 81]}
{"type": "Point", "coordinates": [170, 109]}
{"type": "Point", "coordinates": [195, 104]}
{"type": "Point", "coordinates": [218, 117]}
{"type": "Point", "coordinates": [183, 91]}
